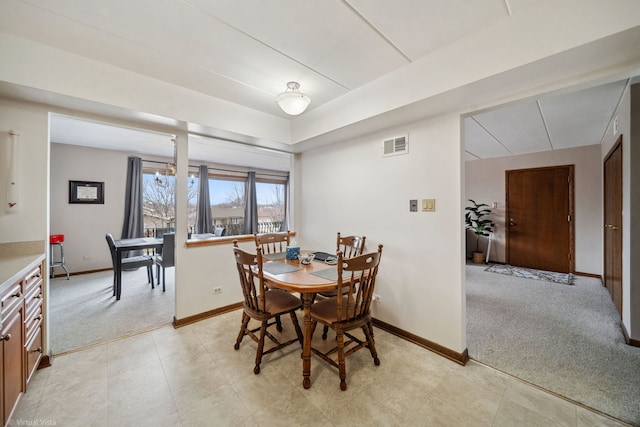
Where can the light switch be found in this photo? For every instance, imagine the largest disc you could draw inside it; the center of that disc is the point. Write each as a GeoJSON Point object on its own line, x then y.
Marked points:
{"type": "Point", "coordinates": [428, 205]}
{"type": "Point", "coordinates": [413, 206]}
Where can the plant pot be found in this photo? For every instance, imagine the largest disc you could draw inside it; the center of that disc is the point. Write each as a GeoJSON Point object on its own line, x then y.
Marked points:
{"type": "Point", "coordinates": [478, 257]}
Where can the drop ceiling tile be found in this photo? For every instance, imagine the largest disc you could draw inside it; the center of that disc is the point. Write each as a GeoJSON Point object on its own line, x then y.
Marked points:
{"type": "Point", "coordinates": [418, 28]}
{"type": "Point", "coordinates": [581, 118]}
{"type": "Point", "coordinates": [519, 127]}
{"type": "Point", "coordinates": [479, 143]}
{"type": "Point", "coordinates": [347, 50]}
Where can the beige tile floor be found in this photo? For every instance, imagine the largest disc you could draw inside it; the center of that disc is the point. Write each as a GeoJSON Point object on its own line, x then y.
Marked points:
{"type": "Point", "coordinates": [191, 376]}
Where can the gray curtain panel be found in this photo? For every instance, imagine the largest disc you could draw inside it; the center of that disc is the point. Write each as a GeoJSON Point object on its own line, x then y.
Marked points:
{"type": "Point", "coordinates": [203, 212]}
{"type": "Point", "coordinates": [251, 206]}
{"type": "Point", "coordinates": [133, 220]}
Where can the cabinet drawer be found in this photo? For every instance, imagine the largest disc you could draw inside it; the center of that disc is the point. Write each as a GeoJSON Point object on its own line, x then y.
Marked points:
{"type": "Point", "coordinates": [32, 322]}
{"type": "Point", "coordinates": [32, 279]}
{"type": "Point", "coordinates": [11, 299]}
{"type": "Point", "coordinates": [32, 299]}
{"type": "Point", "coordinates": [33, 350]}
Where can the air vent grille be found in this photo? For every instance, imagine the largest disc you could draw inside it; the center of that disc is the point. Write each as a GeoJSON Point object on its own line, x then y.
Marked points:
{"type": "Point", "coordinates": [397, 145]}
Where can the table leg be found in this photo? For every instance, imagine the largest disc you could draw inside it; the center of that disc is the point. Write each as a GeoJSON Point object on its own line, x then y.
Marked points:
{"type": "Point", "coordinates": [306, 345]}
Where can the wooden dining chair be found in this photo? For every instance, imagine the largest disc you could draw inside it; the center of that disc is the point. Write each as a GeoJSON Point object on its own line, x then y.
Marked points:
{"type": "Point", "coordinates": [350, 246]}
{"type": "Point", "coordinates": [128, 262]}
{"type": "Point", "coordinates": [349, 310]}
{"type": "Point", "coordinates": [262, 305]}
{"type": "Point", "coordinates": [166, 257]}
{"type": "Point", "coordinates": [272, 243]}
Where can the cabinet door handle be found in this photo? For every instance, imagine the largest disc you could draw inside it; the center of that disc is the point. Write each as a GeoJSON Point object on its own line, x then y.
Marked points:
{"type": "Point", "coordinates": [39, 296]}
{"type": "Point", "coordinates": [5, 337]}
{"type": "Point", "coordinates": [17, 294]}
{"type": "Point", "coordinates": [38, 350]}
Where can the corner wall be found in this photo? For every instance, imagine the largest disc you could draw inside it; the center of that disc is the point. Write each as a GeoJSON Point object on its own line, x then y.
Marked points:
{"type": "Point", "coordinates": [351, 188]}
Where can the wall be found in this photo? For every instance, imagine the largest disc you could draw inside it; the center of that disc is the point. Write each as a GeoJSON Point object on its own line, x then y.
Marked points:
{"type": "Point", "coordinates": [349, 187]}
{"type": "Point", "coordinates": [485, 183]}
{"type": "Point", "coordinates": [29, 221]}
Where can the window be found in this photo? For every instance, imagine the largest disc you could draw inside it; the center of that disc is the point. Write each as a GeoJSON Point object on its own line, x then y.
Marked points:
{"type": "Point", "coordinates": [227, 197]}
{"type": "Point", "coordinates": [271, 206]}
{"type": "Point", "coordinates": [159, 201]}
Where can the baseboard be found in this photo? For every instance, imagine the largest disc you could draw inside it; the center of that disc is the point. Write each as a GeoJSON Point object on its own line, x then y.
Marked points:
{"type": "Point", "coordinates": [78, 273]}
{"type": "Point", "coordinates": [460, 358]}
{"type": "Point", "coordinates": [177, 323]}
{"type": "Point", "coordinates": [45, 361]}
{"type": "Point", "coordinates": [630, 341]}
{"type": "Point", "coordinates": [595, 276]}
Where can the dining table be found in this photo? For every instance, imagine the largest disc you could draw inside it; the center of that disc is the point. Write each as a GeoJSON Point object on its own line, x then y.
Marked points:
{"type": "Point", "coordinates": [309, 279]}
{"type": "Point", "coordinates": [137, 243]}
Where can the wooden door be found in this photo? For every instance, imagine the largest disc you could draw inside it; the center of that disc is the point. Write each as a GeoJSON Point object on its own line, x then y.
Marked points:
{"type": "Point", "coordinates": [539, 222]}
{"type": "Point", "coordinates": [613, 224]}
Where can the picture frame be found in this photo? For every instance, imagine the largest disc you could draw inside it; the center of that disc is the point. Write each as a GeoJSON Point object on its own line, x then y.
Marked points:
{"type": "Point", "coordinates": [87, 192]}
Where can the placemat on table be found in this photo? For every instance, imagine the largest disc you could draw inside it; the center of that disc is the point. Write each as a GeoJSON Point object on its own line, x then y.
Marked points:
{"type": "Point", "coordinates": [279, 268]}
{"type": "Point", "coordinates": [275, 256]}
{"type": "Point", "coordinates": [331, 274]}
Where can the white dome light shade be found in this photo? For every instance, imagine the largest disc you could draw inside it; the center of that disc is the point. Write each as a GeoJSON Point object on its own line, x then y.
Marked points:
{"type": "Point", "coordinates": [292, 101]}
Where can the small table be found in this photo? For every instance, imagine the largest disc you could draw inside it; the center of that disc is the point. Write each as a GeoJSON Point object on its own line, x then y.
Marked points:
{"type": "Point", "coordinates": [307, 284]}
{"type": "Point", "coordinates": [137, 243]}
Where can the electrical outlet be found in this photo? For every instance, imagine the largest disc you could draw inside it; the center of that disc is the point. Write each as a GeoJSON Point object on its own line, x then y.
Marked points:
{"type": "Point", "coordinates": [217, 290]}
{"type": "Point", "coordinates": [376, 298]}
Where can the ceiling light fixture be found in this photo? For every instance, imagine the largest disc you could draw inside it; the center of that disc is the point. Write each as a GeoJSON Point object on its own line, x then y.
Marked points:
{"type": "Point", "coordinates": [292, 101]}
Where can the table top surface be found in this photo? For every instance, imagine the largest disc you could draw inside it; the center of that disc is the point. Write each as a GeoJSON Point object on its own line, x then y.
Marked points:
{"type": "Point", "coordinates": [139, 243]}
{"type": "Point", "coordinates": [301, 280]}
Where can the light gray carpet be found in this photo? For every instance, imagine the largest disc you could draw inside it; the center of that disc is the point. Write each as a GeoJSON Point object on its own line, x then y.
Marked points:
{"type": "Point", "coordinates": [84, 312]}
{"type": "Point", "coordinates": [566, 339]}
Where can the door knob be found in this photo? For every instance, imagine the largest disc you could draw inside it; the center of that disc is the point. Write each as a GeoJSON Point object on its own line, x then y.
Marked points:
{"type": "Point", "coordinates": [611, 227]}
{"type": "Point", "coordinates": [511, 223]}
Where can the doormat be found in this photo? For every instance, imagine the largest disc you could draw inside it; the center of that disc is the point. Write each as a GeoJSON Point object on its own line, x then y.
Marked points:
{"type": "Point", "coordinates": [530, 273]}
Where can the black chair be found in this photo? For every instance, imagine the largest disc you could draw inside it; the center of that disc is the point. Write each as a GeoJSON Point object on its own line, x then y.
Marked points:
{"type": "Point", "coordinates": [219, 231]}
{"type": "Point", "coordinates": [167, 257]}
{"type": "Point", "coordinates": [128, 262]}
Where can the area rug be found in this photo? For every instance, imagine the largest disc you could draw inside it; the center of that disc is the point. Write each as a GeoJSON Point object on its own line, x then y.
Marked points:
{"type": "Point", "coordinates": [530, 273]}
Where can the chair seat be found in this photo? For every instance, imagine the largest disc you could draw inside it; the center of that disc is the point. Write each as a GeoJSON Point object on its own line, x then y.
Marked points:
{"type": "Point", "coordinates": [137, 261]}
{"type": "Point", "coordinates": [278, 301]}
{"type": "Point", "coordinates": [325, 311]}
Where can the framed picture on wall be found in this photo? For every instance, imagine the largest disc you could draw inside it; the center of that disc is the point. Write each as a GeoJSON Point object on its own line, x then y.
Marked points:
{"type": "Point", "coordinates": [86, 192]}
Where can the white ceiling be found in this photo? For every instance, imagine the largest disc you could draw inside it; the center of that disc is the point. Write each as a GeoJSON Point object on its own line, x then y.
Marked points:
{"type": "Point", "coordinates": [244, 51]}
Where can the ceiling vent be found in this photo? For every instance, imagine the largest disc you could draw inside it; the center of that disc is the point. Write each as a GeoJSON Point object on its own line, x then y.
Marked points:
{"type": "Point", "coordinates": [397, 145]}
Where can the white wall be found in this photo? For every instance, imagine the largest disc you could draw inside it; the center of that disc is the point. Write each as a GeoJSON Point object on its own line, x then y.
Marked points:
{"type": "Point", "coordinates": [29, 221]}
{"type": "Point", "coordinates": [349, 187]}
{"type": "Point", "coordinates": [485, 183]}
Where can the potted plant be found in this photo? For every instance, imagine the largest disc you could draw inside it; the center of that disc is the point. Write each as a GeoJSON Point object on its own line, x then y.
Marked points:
{"type": "Point", "coordinates": [475, 219]}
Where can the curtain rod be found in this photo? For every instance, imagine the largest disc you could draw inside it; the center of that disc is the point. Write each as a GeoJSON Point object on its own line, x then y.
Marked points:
{"type": "Point", "coordinates": [217, 169]}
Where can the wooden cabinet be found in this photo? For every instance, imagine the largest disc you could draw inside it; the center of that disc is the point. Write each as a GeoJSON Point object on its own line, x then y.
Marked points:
{"type": "Point", "coordinates": [20, 337]}
{"type": "Point", "coordinates": [12, 350]}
